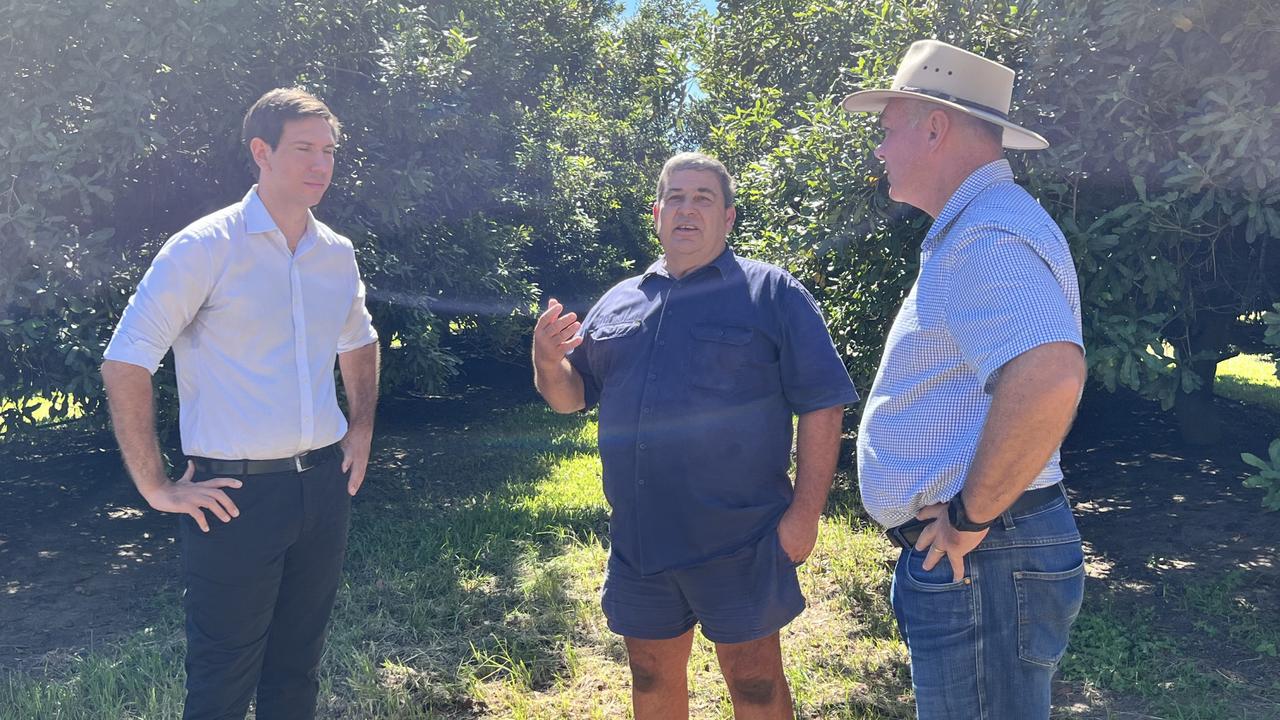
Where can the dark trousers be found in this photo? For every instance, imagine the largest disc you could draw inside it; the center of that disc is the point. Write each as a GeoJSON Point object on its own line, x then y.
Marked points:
{"type": "Point", "coordinates": [259, 591]}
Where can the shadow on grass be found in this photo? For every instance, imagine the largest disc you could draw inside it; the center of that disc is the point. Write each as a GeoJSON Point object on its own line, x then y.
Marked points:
{"type": "Point", "coordinates": [75, 538]}
{"type": "Point", "coordinates": [452, 560]}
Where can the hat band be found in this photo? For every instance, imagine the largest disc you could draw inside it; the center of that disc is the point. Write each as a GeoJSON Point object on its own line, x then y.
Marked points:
{"type": "Point", "coordinates": [957, 100]}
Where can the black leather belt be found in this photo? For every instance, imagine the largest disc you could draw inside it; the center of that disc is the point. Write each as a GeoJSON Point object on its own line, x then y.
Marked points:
{"type": "Point", "coordinates": [906, 534]}
{"type": "Point", "coordinates": [296, 464]}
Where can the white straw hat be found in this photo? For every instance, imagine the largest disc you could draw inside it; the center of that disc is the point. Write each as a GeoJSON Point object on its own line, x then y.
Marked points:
{"type": "Point", "coordinates": [945, 74]}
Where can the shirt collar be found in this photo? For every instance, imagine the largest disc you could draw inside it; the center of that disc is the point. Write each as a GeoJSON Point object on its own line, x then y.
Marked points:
{"type": "Point", "coordinates": [979, 180]}
{"type": "Point", "coordinates": [258, 220]}
{"type": "Point", "coordinates": [724, 262]}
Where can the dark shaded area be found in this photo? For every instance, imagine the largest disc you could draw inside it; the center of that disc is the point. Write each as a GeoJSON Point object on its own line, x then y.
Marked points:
{"type": "Point", "coordinates": [1165, 523]}
{"type": "Point", "coordinates": [82, 560]}
{"type": "Point", "coordinates": [1163, 511]}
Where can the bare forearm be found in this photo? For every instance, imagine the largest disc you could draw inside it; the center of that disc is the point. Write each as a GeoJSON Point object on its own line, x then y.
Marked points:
{"type": "Point", "coordinates": [560, 385]}
{"type": "Point", "coordinates": [817, 450]}
{"type": "Point", "coordinates": [1032, 407]}
{"type": "Point", "coordinates": [130, 398]}
{"type": "Point", "coordinates": [359, 370]}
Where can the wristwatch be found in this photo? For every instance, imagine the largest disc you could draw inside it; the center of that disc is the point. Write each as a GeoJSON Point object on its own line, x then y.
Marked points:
{"type": "Point", "coordinates": [960, 518]}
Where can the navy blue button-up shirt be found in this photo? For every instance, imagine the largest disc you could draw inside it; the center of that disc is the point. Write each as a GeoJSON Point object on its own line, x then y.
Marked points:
{"type": "Point", "coordinates": [697, 379]}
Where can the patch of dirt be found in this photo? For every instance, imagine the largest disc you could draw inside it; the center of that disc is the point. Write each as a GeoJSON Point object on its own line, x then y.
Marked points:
{"type": "Point", "coordinates": [1161, 520]}
{"type": "Point", "coordinates": [82, 559]}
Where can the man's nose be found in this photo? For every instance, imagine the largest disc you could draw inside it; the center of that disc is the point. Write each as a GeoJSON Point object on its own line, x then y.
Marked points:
{"type": "Point", "coordinates": [879, 152]}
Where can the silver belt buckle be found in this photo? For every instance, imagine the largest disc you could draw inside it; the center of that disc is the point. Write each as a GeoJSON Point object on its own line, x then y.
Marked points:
{"type": "Point", "coordinates": [297, 462]}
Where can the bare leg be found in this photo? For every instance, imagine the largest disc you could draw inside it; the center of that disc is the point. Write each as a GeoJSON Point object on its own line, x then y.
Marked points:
{"type": "Point", "coordinates": [659, 677]}
{"type": "Point", "coordinates": [757, 685]}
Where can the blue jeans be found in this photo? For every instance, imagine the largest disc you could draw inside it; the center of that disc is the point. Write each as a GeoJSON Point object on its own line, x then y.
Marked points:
{"type": "Point", "coordinates": [986, 648]}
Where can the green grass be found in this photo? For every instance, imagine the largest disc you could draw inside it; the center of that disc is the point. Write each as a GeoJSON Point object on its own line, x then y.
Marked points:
{"type": "Point", "coordinates": [1138, 650]}
{"type": "Point", "coordinates": [471, 590]}
{"type": "Point", "coordinates": [1249, 379]}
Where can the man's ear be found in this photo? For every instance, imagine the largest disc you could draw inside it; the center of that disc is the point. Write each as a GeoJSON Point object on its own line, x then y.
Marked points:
{"type": "Point", "coordinates": [938, 124]}
{"type": "Point", "coordinates": [261, 153]}
{"type": "Point", "coordinates": [730, 215]}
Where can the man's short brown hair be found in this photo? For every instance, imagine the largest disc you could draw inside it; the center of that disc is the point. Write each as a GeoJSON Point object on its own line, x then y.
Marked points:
{"type": "Point", "coordinates": [698, 161]}
{"type": "Point", "coordinates": [268, 115]}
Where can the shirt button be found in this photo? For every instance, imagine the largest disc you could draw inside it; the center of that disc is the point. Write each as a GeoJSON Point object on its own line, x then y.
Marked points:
{"type": "Point", "coordinates": [640, 481]}
{"type": "Point", "coordinates": [644, 446]}
{"type": "Point", "coordinates": [653, 376]}
{"type": "Point", "coordinates": [646, 411]}
{"type": "Point", "coordinates": [662, 343]}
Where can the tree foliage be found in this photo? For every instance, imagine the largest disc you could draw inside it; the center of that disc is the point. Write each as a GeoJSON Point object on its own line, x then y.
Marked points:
{"type": "Point", "coordinates": [490, 145]}
{"type": "Point", "coordinates": [1162, 172]}
{"type": "Point", "coordinates": [500, 150]}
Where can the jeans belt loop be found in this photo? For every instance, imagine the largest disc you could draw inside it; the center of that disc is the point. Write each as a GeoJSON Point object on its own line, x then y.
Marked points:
{"type": "Point", "coordinates": [1006, 519]}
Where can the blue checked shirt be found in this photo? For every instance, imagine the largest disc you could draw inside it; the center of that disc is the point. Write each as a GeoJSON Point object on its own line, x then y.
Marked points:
{"type": "Point", "coordinates": [996, 280]}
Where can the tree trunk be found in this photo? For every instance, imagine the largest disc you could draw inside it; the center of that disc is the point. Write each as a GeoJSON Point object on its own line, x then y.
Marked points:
{"type": "Point", "coordinates": [1197, 415]}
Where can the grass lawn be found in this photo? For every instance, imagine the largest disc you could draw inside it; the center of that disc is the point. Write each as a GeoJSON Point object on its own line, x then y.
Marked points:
{"type": "Point", "coordinates": [471, 590]}
{"type": "Point", "coordinates": [1249, 379]}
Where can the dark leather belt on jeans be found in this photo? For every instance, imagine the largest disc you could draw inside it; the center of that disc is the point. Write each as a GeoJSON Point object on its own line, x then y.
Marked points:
{"type": "Point", "coordinates": [297, 463]}
{"type": "Point", "coordinates": [906, 534]}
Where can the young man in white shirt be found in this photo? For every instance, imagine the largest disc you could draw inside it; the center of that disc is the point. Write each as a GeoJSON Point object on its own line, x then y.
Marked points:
{"type": "Point", "coordinates": [257, 301]}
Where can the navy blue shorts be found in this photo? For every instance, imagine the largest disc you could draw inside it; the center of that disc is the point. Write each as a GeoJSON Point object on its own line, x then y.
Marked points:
{"type": "Point", "coordinates": [746, 595]}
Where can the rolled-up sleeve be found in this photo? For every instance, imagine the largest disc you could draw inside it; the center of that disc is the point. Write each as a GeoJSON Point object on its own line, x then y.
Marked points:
{"type": "Point", "coordinates": [358, 330]}
{"type": "Point", "coordinates": [171, 292]}
{"type": "Point", "coordinates": [813, 375]}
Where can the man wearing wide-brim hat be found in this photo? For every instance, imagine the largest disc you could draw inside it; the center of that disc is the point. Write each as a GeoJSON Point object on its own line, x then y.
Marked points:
{"type": "Point", "coordinates": [982, 370]}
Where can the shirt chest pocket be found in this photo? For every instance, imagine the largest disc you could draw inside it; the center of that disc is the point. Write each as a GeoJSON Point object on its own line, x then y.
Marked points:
{"type": "Point", "coordinates": [717, 355]}
{"type": "Point", "coordinates": [613, 350]}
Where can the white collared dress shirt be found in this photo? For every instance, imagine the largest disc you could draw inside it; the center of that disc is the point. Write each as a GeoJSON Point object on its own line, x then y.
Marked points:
{"type": "Point", "coordinates": [255, 331]}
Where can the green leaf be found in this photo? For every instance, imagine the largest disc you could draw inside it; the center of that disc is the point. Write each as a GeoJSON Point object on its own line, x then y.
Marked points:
{"type": "Point", "coordinates": [1254, 460]}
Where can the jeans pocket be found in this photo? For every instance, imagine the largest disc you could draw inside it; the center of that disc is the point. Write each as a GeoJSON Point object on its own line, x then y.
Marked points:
{"type": "Point", "coordinates": [1048, 603]}
{"type": "Point", "coordinates": [939, 579]}
{"type": "Point", "coordinates": [934, 612]}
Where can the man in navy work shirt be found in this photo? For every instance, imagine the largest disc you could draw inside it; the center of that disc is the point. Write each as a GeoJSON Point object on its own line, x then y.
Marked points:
{"type": "Point", "coordinates": [257, 301]}
{"type": "Point", "coordinates": [979, 382]}
{"type": "Point", "coordinates": [697, 366]}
